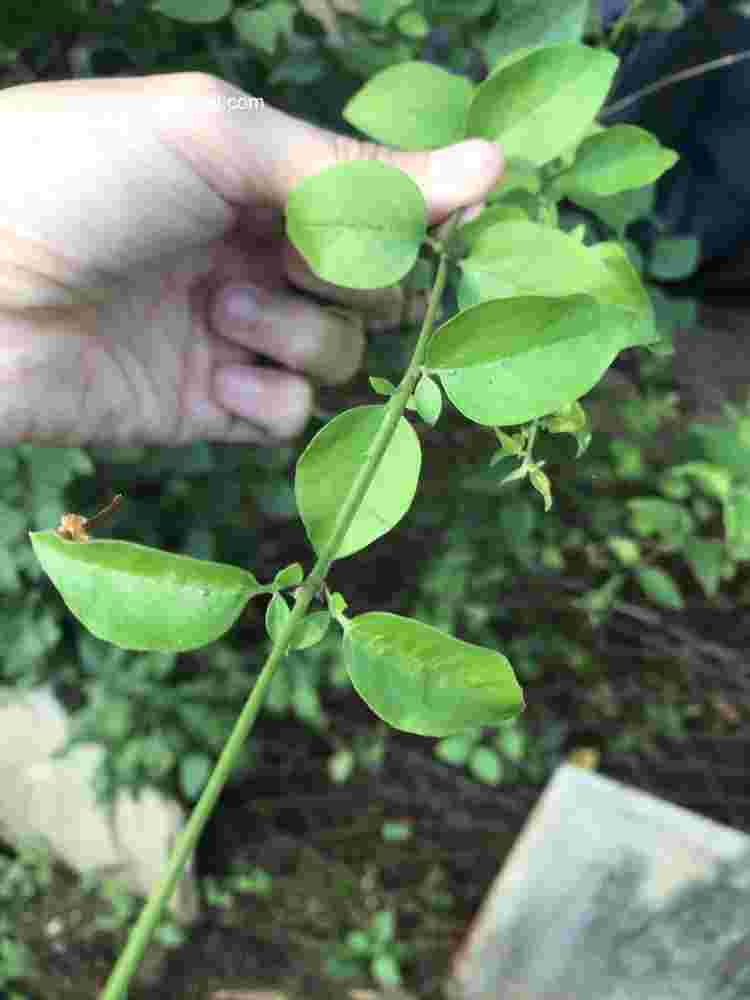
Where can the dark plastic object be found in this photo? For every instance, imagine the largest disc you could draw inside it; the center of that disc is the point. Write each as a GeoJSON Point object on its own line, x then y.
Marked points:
{"type": "Point", "coordinates": [705, 118]}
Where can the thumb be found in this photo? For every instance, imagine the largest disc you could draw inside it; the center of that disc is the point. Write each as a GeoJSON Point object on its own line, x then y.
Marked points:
{"type": "Point", "coordinates": [253, 154]}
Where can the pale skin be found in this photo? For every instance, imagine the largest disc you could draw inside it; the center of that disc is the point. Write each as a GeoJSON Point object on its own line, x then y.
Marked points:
{"type": "Point", "coordinates": [128, 234]}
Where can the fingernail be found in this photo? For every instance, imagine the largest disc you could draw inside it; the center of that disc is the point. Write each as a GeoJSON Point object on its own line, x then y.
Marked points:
{"type": "Point", "coordinates": [240, 304]}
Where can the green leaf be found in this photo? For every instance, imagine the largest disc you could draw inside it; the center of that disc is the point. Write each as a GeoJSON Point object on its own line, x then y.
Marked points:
{"type": "Point", "coordinates": [617, 159]}
{"type": "Point", "coordinates": [538, 104]}
{"type": "Point", "coordinates": [723, 445]}
{"type": "Point", "coordinates": [358, 943]}
{"type": "Point", "coordinates": [12, 523]}
{"type": "Point", "coordinates": [358, 224]}
{"type": "Point", "coordinates": [385, 970]}
{"type": "Point", "coordinates": [380, 12]}
{"type": "Point", "coordinates": [525, 258]}
{"type": "Point", "coordinates": [340, 766]}
{"type": "Point", "coordinates": [505, 328]}
{"type": "Point", "coordinates": [485, 764]}
{"type": "Point", "coordinates": [541, 483]}
{"type": "Point", "coordinates": [194, 771]}
{"type": "Point", "coordinates": [277, 615]}
{"type": "Point", "coordinates": [456, 749]}
{"type": "Point", "coordinates": [522, 23]}
{"type": "Point", "coordinates": [674, 258]}
{"type": "Point", "coordinates": [625, 549]}
{"type": "Point", "coordinates": [306, 704]}
{"type": "Point", "coordinates": [341, 968]}
{"type": "Point", "coordinates": [539, 354]}
{"type": "Point", "coordinates": [299, 69]}
{"type": "Point", "coordinates": [598, 601]}
{"type": "Point", "coordinates": [383, 927]}
{"type": "Point", "coordinates": [469, 232]}
{"type": "Point", "coordinates": [382, 386]}
{"type": "Point", "coordinates": [467, 9]}
{"type": "Point", "coordinates": [396, 832]}
{"type": "Point", "coordinates": [672, 313]}
{"type": "Point", "coordinates": [311, 630]}
{"type": "Point", "coordinates": [279, 694]}
{"type": "Point", "coordinates": [714, 480]}
{"type": "Point", "coordinates": [193, 11]}
{"type": "Point", "coordinates": [617, 210]}
{"type": "Point", "coordinates": [141, 598]}
{"type": "Point", "coordinates": [511, 740]}
{"type": "Point", "coordinates": [657, 15]}
{"type": "Point", "coordinates": [569, 419]}
{"type": "Point", "coordinates": [290, 576]}
{"type": "Point", "coordinates": [264, 26]}
{"type": "Point", "coordinates": [654, 516]}
{"type": "Point", "coordinates": [660, 587]}
{"type": "Point", "coordinates": [420, 680]}
{"type": "Point", "coordinates": [705, 557]}
{"type": "Point", "coordinates": [432, 106]}
{"type": "Point", "coordinates": [518, 175]}
{"type": "Point", "coordinates": [737, 522]}
{"type": "Point", "coordinates": [428, 400]}
{"type": "Point", "coordinates": [413, 24]}
{"type": "Point", "coordinates": [329, 466]}
{"type": "Point", "coordinates": [364, 58]}
{"type": "Point", "coordinates": [337, 604]}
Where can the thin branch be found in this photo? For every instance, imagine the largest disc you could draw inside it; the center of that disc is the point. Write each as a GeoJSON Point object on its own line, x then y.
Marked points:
{"type": "Point", "coordinates": [684, 74]}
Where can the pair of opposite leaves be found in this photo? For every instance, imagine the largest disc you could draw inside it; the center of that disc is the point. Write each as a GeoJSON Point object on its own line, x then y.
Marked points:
{"type": "Point", "coordinates": [415, 677]}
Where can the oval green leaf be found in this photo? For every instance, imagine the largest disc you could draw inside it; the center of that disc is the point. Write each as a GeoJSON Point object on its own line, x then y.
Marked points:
{"type": "Point", "coordinates": [193, 11]}
{"type": "Point", "coordinates": [311, 630]}
{"type": "Point", "coordinates": [541, 103]}
{"type": "Point", "coordinates": [528, 356]}
{"type": "Point", "coordinates": [528, 22]}
{"type": "Point", "coordinates": [660, 587]}
{"type": "Point", "coordinates": [359, 224]}
{"type": "Point", "coordinates": [620, 158]}
{"type": "Point", "coordinates": [654, 516]}
{"type": "Point", "coordinates": [290, 576]}
{"type": "Point", "coordinates": [524, 258]}
{"type": "Point", "coordinates": [194, 772]}
{"type": "Point", "coordinates": [616, 210]}
{"type": "Point", "coordinates": [140, 598]}
{"type": "Point", "coordinates": [329, 465]}
{"type": "Point", "coordinates": [737, 522]}
{"type": "Point", "coordinates": [277, 615]}
{"type": "Point", "coordinates": [263, 28]}
{"type": "Point", "coordinates": [674, 258]}
{"type": "Point", "coordinates": [705, 557]}
{"type": "Point", "coordinates": [420, 680]}
{"type": "Point", "coordinates": [468, 234]}
{"type": "Point", "coordinates": [428, 400]}
{"type": "Point", "coordinates": [432, 106]}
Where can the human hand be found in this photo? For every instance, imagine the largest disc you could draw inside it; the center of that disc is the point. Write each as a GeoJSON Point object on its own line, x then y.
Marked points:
{"type": "Point", "coordinates": [135, 214]}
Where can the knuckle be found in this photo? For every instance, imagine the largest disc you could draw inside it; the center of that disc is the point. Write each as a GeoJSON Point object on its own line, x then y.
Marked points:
{"type": "Point", "coordinates": [201, 84]}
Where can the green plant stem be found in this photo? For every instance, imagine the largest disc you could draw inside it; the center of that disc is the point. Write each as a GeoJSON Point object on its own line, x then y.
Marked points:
{"type": "Point", "coordinates": [622, 22]}
{"type": "Point", "coordinates": [144, 927]}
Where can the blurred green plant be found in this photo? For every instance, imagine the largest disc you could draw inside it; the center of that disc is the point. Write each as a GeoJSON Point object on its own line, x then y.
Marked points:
{"type": "Point", "coordinates": [375, 949]}
{"type": "Point", "coordinates": [25, 874]}
{"type": "Point", "coordinates": [241, 879]}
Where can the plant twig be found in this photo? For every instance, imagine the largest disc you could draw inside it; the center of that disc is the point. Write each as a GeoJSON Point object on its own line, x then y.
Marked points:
{"type": "Point", "coordinates": [684, 74]}
{"type": "Point", "coordinates": [117, 984]}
